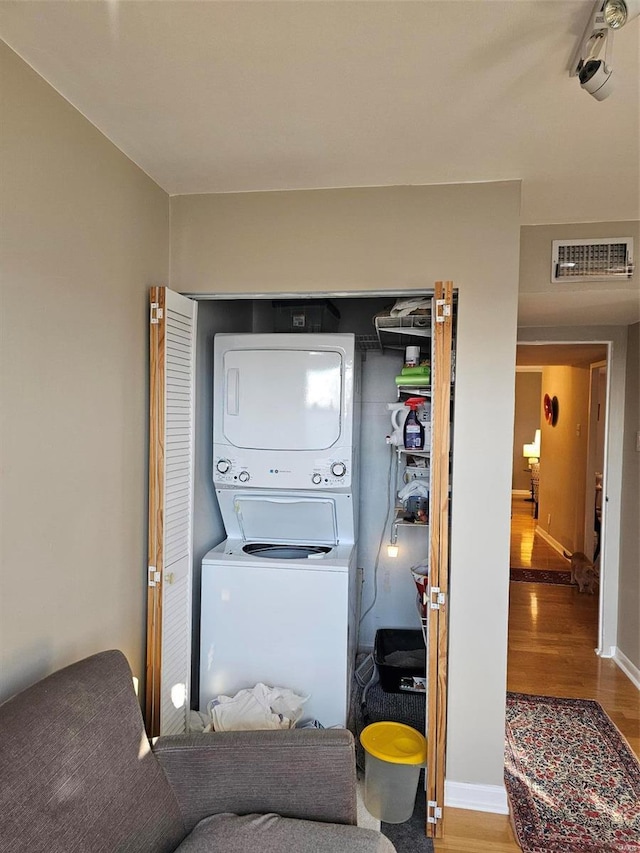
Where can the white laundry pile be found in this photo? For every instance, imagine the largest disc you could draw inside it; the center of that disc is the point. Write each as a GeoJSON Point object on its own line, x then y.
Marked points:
{"type": "Point", "coordinates": [405, 307]}
{"type": "Point", "coordinates": [259, 707]}
{"type": "Point", "coordinates": [413, 489]}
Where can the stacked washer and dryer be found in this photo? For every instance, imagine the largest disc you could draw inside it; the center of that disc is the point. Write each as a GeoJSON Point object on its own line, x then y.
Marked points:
{"type": "Point", "coordinates": [280, 594]}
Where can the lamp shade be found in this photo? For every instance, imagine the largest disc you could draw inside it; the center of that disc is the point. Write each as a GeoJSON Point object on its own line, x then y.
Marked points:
{"type": "Point", "coordinates": [532, 451]}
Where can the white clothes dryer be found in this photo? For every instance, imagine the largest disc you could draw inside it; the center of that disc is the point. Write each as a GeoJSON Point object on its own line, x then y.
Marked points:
{"type": "Point", "coordinates": [285, 412]}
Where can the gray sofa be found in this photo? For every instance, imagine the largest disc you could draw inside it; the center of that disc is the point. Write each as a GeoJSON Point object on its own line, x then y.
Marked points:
{"type": "Point", "coordinates": [78, 776]}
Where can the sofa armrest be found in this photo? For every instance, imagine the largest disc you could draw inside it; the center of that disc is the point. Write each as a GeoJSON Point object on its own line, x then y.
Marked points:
{"type": "Point", "coordinates": [301, 773]}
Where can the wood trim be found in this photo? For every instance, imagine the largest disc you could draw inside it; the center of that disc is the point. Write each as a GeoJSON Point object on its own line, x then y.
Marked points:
{"type": "Point", "coordinates": [157, 297]}
{"type": "Point", "coordinates": [439, 556]}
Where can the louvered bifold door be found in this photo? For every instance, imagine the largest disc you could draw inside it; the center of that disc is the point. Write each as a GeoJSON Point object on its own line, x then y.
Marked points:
{"type": "Point", "coordinates": [439, 557]}
{"type": "Point", "coordinates": [171, 455]}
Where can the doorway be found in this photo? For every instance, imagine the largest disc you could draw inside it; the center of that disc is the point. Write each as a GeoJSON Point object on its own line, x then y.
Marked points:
{"type": "Point", "coordinates": [560, 510]}
{"type": "Point", "coordinates": [180, 357]}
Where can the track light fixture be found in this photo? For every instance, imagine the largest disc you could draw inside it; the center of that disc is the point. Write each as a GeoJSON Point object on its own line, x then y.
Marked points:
{"type": "Point", "coordinates": [616, 13]}
{"type": "Point", "coordinates": [595, 73]}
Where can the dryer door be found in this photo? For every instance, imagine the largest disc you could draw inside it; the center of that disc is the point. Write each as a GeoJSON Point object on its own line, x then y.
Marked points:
{"type": "Point", "coordinates": [282, 399]}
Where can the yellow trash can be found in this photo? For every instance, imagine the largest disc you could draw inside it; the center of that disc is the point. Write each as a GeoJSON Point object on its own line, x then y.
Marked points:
{"type": "Point", "coordinates": [394, 755]}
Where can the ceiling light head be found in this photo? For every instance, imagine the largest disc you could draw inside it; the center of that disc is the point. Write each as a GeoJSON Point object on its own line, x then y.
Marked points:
{"type": "Point", "coordinates": [616, 13]}
{"type": "Point", "coordinates": [593, 72]}
{"type": "Point", "coordinates": [595, 78]}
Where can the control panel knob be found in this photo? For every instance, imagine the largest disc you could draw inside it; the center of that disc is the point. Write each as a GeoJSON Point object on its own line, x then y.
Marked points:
{"type": "Point", "coordinates": [243, 476]}
{"type": "Point", "coordinates": [338, 469]}
{"type": "Point", "coordinates": [316, 478]}
{"type": "Point", "coordinates": [222, 466]}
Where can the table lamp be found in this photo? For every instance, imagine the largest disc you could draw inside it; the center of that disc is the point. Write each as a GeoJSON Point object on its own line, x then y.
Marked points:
{"type": "Point", "coordinates": [532, 451]}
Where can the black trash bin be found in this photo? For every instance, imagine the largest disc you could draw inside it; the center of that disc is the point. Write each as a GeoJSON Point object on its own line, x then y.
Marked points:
{"type": "Point", "coordinates": [401, 658]}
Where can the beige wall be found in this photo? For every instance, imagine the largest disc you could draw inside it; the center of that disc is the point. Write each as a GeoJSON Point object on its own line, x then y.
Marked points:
{"type": "Point", "coordinates": [612, 302]}
{"type": "Point", "coordinates": [394, 239]}
{"type": "Point", "coordinates": [527, 421]}
{"type": "Point", "coordinates": [564, 457]}
{"type": "Point", "coordinates": [629, 607]}
{"type": "Point", "coordinates": [84, 232]}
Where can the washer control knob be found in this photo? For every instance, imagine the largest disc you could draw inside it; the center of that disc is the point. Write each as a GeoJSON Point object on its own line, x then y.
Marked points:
{"type": "Point", "coordinates": [223, 466]}
{"type": "Point", "coordinates": [243, 476]}
{"type": "Point", "coordinates": [316, 478]}
{"type": "Point", "coordinates": [338, 469]}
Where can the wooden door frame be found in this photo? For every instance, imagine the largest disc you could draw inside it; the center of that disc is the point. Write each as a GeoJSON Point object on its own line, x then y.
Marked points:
{"type": "Point", "coordinates": [437, 606]}
{"type": "Point", "coordinates": [172, 327]}
{"type": "Point", "coordinates": [595, 373]}
{"type": "Point", "coordinates": [157, 378]}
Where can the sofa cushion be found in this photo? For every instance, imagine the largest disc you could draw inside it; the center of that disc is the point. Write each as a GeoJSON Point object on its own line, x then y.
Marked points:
{"type": "Point", "coordinates": [270, 833]}
{"type": "Point", "coordinates": [77, 772]}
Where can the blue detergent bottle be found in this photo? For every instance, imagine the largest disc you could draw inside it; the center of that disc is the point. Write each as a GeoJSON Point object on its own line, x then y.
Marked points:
{"type": "Point", "coordinates": [413, 429]}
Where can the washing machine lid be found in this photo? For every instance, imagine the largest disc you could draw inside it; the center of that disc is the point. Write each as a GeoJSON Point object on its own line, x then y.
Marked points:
{"type": "Point", "coordinates": [286, 519]}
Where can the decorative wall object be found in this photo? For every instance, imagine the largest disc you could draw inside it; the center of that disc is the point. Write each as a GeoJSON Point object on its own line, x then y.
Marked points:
{"type": "Point", "coordinates": [551, 410]}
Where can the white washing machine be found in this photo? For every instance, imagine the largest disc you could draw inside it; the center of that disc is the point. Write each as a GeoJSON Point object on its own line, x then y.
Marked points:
{"type": "Point", "coordinates": [281, 609]}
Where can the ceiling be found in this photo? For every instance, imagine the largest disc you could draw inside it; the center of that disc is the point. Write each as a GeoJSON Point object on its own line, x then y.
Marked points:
{"type": "Point", "coordinates": [220, 97]}
{"type": "Point", "coordinates": [569, 355]}
{"type": "Point", "coordinates": [209, 96]}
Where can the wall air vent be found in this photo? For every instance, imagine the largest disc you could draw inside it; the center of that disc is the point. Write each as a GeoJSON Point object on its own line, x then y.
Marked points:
{"type": "Point", "coordinates": [592, 260]}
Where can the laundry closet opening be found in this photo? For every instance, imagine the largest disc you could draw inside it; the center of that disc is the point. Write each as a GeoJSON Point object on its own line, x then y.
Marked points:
{"type": "Point", "coordinates": [386, 592]}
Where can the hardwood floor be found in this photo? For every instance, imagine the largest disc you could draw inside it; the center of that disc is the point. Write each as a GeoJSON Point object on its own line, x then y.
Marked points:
{"type": "Point", "coordinates": [529, 551]}
{"type": "Point", "coordinates": [552, 638]}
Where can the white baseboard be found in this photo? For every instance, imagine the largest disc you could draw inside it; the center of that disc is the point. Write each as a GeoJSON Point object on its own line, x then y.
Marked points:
{"type": "Point", "coordinates": [628, 667]}
{"type": "Point", "coordinates": [551, 541]}
{"type": "Point", "coordinates": [607, 652]}
{"type": "Point", "coordinates": [477, 798]}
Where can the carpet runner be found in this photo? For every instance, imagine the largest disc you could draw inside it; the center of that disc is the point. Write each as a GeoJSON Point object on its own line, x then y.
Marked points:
{"type": "Point", "coordinates": [572, 780]}
{"type": "Point", "coordinates": [540, 576]}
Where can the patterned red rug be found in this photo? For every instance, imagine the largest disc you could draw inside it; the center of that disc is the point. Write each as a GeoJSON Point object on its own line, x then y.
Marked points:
{"type": "Point", "coordinates": [539, 576]}
{"type": "Point", "coordinates": [572, 780]}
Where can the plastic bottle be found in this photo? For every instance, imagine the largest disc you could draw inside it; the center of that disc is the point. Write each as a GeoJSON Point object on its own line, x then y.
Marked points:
{"type": "Point", "coordinates": [413, 429]}
{"type": "Point", "coordinates": [412, 357]}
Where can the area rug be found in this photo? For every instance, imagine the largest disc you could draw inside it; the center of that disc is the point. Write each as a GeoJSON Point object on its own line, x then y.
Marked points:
{"type": "Point", "coordinates": [572, 780]}
{"type": "Point", "coordinates": [539, 576]}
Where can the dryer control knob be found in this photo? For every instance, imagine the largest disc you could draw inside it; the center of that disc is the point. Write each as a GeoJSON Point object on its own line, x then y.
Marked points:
{"type": "Point", "coordinates": [316, 478]}
{"type": "Point", "coordinates": [223, 465]}
{"type": "Point", "coordinates": [338, 469]}
{"type": "Point", "coordinates": [243, 476]}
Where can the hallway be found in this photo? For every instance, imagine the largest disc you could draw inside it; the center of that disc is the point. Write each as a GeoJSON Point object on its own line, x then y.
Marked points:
{"type": "Point", "coordinates": [552, 638]}
{"type": "Point", "coordinates": [528, 551]}
{"type": "Point", "coordinates": [553, 634]}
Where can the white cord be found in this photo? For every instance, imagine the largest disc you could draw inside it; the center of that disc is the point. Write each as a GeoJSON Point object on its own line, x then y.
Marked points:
{"type": "Point", "coordinates": [390, 506]}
